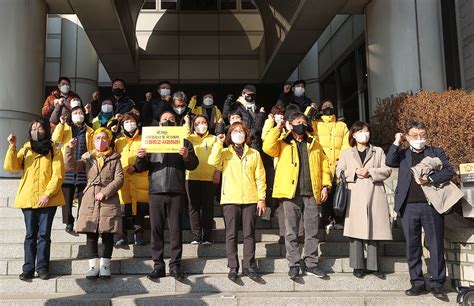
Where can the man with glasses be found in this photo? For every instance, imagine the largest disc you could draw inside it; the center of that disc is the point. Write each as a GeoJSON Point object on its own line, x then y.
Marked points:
{"type": "Point", "coordinates": [416, 212]}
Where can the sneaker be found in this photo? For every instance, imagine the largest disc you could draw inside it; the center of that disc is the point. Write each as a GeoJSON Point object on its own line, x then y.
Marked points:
{"type": "Point", "coordinates": [294, 273]}
{"type": "Point", "coordinates": [139, 238]}
{"type": "Point", "coordinates": [156, 273]}
{"type": "Point", "coordinates": [176, 274]}
{"type": "Point", "coordinates": [196, 239]}
{"type": "Point", "coordinates": [206, 242]}
{"type": "Point", "coordinates": [359, 273]}
{"type": "Point", "coordinates": [330, 226]}
{"type": "Point", "coordinates": [121, 241]}
{"type": "Point", "coordinates": [315, 271]}
{"type": "Point", "coordinates": [338, 226]}
{"type": "Point", "coordinates": [251, 273]}
{"type": "Point", "coordinates": [25, 276]}
{"type": "Point", "coordinates": [233, 274]}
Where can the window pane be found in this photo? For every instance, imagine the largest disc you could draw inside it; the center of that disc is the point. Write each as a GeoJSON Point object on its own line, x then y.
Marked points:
{"type": "Point", "coordinates": [149, 5]}
{"type": "Point", "coordinates": [228, 4]}
{"type": "Point", "coordinates": [351, 110]}
{"type": "Point", "coordinates": [198, 5]}
{"type": "Point", "coordinates": [348, 77]}
{"type": "Point", "coordinates": [169, 4]}
{"type": "Point", "coordinates": [329, 90]}
{"type": "Point", "coordinates": [247, 5]}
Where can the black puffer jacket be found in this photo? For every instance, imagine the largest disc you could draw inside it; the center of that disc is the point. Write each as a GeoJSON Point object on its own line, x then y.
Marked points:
{"type": "Point", "coordinates": [166, 171]}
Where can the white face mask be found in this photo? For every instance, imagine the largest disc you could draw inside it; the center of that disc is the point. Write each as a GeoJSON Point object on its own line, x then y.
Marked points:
{"type": "Point", "coordinates": [278, 118]}
{"type": "Point", "coordinates": [237, 138]}
{"type": "Point", "coordinates": [179, 110]}
{"type": "Point", "coordinates": [65, 88]}
{"type": "Point", "coordinates": [130, 126]}
{"type": "Point", "coordinates": [75, 103]}
{"type": "Point", "coordinates": [77, 118]}
{"type": "Point", "coordinates": [418, 144]}
{"type": "Point", "coordinates": [362, 137]}
{"type": "Point", "coordinates": [165, 92]}
{"type": "Point", "coordinates": [107, 108]}
{"type": "Point", "coordinates": [208, 101]}
{"type": "Point", "coordinates": [201, 129]}
{"type": "Point", "coordinates": [299, 91]}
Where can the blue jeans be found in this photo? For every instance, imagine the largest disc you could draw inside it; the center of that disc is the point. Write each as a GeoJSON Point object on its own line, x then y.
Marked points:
{"type": "Point", "coordinates": [37, 246]}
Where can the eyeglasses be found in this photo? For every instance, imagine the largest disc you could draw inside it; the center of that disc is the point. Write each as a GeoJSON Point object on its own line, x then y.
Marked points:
{"type": "Point", "coordinates": [418, 136]}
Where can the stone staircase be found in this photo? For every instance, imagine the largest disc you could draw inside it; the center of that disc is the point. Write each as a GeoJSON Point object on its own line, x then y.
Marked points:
{"type": "Point", "coordinates": [206, 269]}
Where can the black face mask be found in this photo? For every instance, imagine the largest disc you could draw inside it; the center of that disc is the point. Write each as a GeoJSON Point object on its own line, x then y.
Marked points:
{"type": "Point", "coordinates": [41, 146]}
{"type": "Point", "coordinates": [249, 98]}
{"type": "Point", "coordinates": [300, 129]}
{"type": "Point", "coordinates": [118, 92]}
{"type": "Point", "coordinates": [328, 111]}
{"type": "Point", "coordinates": [168, 123]}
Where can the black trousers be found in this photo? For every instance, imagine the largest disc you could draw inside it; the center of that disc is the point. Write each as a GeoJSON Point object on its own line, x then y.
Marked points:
{"type": "Point", "coordinates": [415, 217]}
{"type": "Point", "coordinates": [327, 208]}
{"type": "Point", "coordinates": [92, 245]}
{"type": "Point", "coordinates": [200, 202]}
{"type": "Point", "coordinates": [68, 191]}
{"type": "Point", "coordinates": [162, 207]}
{"type": "Point", "coordinates": [233, 216]}
{"type": "Point", "coordinates": [137, 222]}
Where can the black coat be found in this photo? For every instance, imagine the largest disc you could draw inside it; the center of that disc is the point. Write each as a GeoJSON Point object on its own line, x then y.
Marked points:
{"type": "Point", "coordinates": [166, 171]}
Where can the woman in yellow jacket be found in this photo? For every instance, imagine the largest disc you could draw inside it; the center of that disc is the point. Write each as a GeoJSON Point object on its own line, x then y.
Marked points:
{"type": "Point", "coordinates": [201, 183]}
{"type": "Point", "coordinates": [38, 195]}
{"type": "Point", "coordinates": [73, 181]}
{"type": "Point", "coordinates": [242, 195]}
{"type": "Point", "coordinates": [134, 192]}
{"type": "Point", "coordinates": [333, 135]}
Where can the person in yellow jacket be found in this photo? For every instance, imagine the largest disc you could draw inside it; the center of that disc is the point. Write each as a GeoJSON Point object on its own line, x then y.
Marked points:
{"type": "Point", "coordinates": [242, 194]}
{"type": "Point", "coordinates": [302, 181]}
{"type": "Point", "coordinates": [334, 137]}
{"type": "Point", "coordinates": [134, 192]}
{"type": "Point", "coordinates": [209, 110]}
{"type": "Point", "coordinates": [201, 183]}
{"type": "Point", "coordinates": [73, 181]}
{"type": "Point", "coordinates": [38, 195]}
{"type": "Point", "coordinates": [105, 117]}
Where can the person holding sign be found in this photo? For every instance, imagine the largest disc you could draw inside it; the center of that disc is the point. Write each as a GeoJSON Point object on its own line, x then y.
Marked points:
{"type": "Point", "coordinates": [166, 192]}
{"type": "Point", "coordinates": [201, 183]}
{"type": "Point", "coordinates": [242, 195]}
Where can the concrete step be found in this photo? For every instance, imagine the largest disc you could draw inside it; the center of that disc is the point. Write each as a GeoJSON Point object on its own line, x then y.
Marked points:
{"type": "Point", "coordinates": [134, 284]}
{"type": "Point", "coordinates": [356, 298]}
{"type": "Point", "coordinates": [195, 265]}
{"type": "Point", "coordinates": [77, 250]}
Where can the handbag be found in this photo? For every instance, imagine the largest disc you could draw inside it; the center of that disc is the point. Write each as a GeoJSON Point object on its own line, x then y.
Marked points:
{"type": "Point", "coordinates": [340, 196]}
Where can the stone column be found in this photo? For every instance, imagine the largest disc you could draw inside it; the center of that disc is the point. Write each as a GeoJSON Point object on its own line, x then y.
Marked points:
{"type": "Point", "coordinates": [22, 56]}
{"type": "Point", "coordinates": [79, 61]}
{"type": "Point", "coordinates": [404, 47]}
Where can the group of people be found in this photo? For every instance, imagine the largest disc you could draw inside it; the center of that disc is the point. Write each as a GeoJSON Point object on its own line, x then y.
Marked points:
{"type": "Point", "coordinates": [289, 160]}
